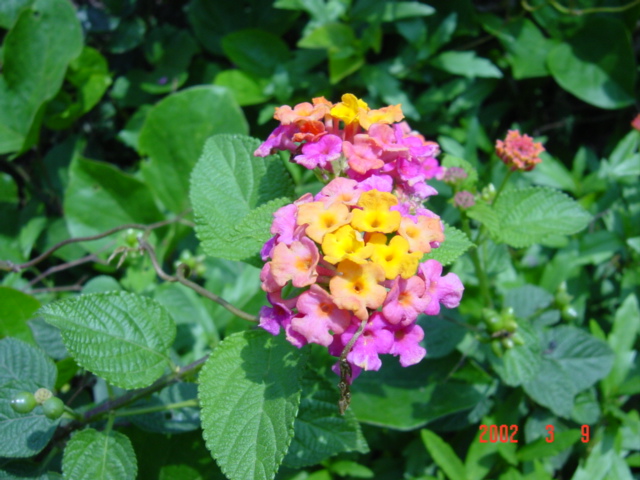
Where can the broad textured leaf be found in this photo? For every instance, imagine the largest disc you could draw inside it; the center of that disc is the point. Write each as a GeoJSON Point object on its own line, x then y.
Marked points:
{"type": "Point", "coordinates": [45, 37]}
{"type": "Point", "coordinates": [121, 337]}
{"type": "Point", "coordinates": [466, 64]}
{"type": "Point", "coordinates": [234, 195]}
{"type": "Point", "coordinates": [597, 64]}
{"type": "Point", "coordinates": [551, 388]}
{"type": "Point", "coordinates": [443, 455]}
{"type": "Point", "coordinates": [520, 363]}
{"type": "Point", "coordinates": [21, 361]}
{"type": "Point", "coordinates": [455, 243]}
{"type": "Point", "coordinates": [174, 133]}
{"type": "Point", "coordinates": [100, 187]}
{"type": "Point", "coordinates": [320, 431]}
{"type": "Point", "coordinates": [16, 308]}
{"type": "Point", "coordinates": [572, 361]}
{"type": "Point", "coordinates": [249, 394]}
{"type": "Point", "coordinates": [533, 215]}
{"type": "Point", "coordinates": [23, 434]}
{"type": "Point", "coordinates": [408, 398]}
{"type": "Point", "coordinates": [255, 51]}
{"type": "Point", "coordinates": [93, 455]}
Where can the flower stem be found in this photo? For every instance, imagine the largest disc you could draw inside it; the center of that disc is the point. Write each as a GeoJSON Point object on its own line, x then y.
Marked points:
{"type": "Point", "coordinates": [483, 280]}
{"type": "Point", "coordinates": [158, 408]}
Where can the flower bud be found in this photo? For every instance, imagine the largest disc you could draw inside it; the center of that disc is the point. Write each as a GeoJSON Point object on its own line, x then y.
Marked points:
{"type": "Point", "coordinates": [42, 395]}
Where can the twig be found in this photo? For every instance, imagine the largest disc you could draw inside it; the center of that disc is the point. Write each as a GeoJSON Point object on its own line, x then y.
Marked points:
{"type": "Point", "coordinates": [345, 370]}
{"type": "Point", "coordinates": [10, 266]}
{"type": "Point", "coordinates": [96, 412]}
{"type": "Point", "coordinates": [64, 266]}
{"type": "Point", "coordinates": [180, 278]}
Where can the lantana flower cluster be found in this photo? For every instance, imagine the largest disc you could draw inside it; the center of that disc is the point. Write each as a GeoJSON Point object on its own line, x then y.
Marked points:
{"type": "Point", "coordinates": [351, 256]}
{"type": "Point", "coordinates": [350, 139]}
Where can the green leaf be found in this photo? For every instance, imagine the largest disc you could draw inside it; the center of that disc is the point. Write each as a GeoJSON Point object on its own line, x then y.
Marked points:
{"type": "Point", "coordinates": [255, 51]}
{"type": "Point", "coordinates": [443, 336]}
{"type": "Point", "coordinates": [527, 300]}
{"type": "Point", "coordinates": [213, 20]}
{"type": "Point", "coordinates": [597, 64]}
{"type": "Point", "coordinates": [16, 308]}
{"type": "Point", "coordinates": [626, 327]}
{"type": "Point", "coordinates": [23, 434]}
{"type": "Point", "coordinates": [121, 337]}
{"type": "Point", "coordinates": [466, 64]}
{"type": "Point", "coordinates": [526, 46]}
{"type": "Point", "coordinates": [43, 40]}
{"type": "Point", "coordinates": [394, 11]}
{"type": "Point", "coordinates": [572, 361]}
{"type": "Point", "coordinates": [93, 455]}
{"type": "Point", "coordinates": [520, 363]}
{"type": "Point", "coordinates": [245, 88]}
{"type": "Point", "coordinates": [101, 187]}
{"type": "Point", "coordinates": [233, 196]}
{"type": "Point", "coordinates": [535, 215]}
{"type": "Point", "coordinates": [249, 394]}
{"type": "Point", "coordinates": [455, 244]}
{"type": "Point", "coordinates": [408, 398]}
{"type": "Point", "coordinates": [542, 449]}
{"type": "Point", "coordinates": [552, 173]}
{"type": "Point", "coordinates": [174, 133]}
{"type": "Point", "coordinates": [443, 455]}
{"type": "Point", "coordinates": [320, 431]}
{"type": "Point", "coordinates": [89, 74]}
{"type": "Point", "coordinates": [10, 10]}
{"type": "Point", "coordinates": [21, 361]}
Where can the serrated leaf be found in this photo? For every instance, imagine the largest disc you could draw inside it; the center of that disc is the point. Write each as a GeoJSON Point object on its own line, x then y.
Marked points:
{"type": "Point", "coordinates": [520, 363]}
{"type": "Point", "coordinates": [23, 434]}
{"type": "Point", "coordinates": [320, 431]}
{"type": "Point", "coordinates": [455, 244]}
{"type": "Point", "coordinates": [234, 194]}
{"type": "Point", "coordinates": [249, 395]}
{"type": "Point", "coordinates": [443, 455]}
{"type": "Point", "coordinates": [626, 326]}
{"type": "Point", "coordinates": [20, 361]}
{"type": "Point", "coordinates": [121, 337]}
{"type": "Point", "coordinates": [93, 455]}
{"type": "Point", "coordinates": [531, 215]}
{"type": "Point", "coordinates": [174, 147]}
{"type": "Point", "coordinates": [573, 360]}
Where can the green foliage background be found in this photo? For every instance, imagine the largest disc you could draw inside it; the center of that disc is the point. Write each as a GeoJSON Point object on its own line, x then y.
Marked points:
{"type": "Point", "coordinates": [106, 108]}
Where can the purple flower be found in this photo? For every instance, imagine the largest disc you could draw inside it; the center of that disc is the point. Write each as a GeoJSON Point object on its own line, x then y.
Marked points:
{"type": "Point", "coordinates": [375, 339]}
{"type": "Point", "coordinates": [280, 139]}
{"type": "Point", "coordinates": [445, 290]}
{"type": "Point", "coordinates": [318, 154]}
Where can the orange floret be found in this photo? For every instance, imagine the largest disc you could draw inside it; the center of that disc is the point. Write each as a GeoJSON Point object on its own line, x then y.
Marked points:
{"type": "Point", "coordinates": [321, 220]}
